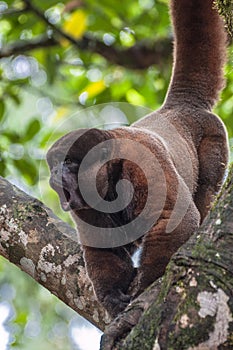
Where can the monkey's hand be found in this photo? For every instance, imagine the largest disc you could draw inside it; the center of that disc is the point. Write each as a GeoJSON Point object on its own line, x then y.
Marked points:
{"type": "Point", "coordinates": [114, 302]}
{"type": "Point", "coordinates": [139, 284]}
{"type": "Point", "coordinates": [135, 287]}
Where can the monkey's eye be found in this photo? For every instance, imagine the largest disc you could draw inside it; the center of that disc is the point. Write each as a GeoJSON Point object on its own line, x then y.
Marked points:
{"type": "Point", "coordinates": [67, 161]}
{"type": "Point", "coordinates": [104, 154]}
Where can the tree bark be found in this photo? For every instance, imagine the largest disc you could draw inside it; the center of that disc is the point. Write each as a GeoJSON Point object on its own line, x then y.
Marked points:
{"type": "Point", "coordinates": [191, 307]}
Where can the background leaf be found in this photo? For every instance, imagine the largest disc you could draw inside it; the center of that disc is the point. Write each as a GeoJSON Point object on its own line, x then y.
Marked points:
{"type": "Point", "coordinates": [2, 109]}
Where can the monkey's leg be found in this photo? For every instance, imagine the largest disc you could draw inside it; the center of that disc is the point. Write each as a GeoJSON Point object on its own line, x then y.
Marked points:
{"type": "Point", "coordinates": [159, 246]}
{"type": "Point", "coordinates": [213, 158]}
{"type": "Point", "coordinates": [111, 271]}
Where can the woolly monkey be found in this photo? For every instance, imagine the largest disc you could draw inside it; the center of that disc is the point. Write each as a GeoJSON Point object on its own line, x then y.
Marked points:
{"type": "Point", "coordinates": [187, 154]}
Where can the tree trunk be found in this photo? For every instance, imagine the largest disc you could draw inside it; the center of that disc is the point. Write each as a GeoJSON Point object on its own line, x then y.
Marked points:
{"type": "Point", "coordinates": [191, 307]}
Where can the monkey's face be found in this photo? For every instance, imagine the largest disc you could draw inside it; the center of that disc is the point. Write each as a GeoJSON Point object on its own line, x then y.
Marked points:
{"type": "Point", "coordinates": [72, 164]}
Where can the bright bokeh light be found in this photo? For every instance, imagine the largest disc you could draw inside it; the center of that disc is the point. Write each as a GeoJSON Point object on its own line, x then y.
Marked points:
{"type": "Point", "coordinates": [86, 338]}
{"type": "Point", "coordinates": [4, 335]}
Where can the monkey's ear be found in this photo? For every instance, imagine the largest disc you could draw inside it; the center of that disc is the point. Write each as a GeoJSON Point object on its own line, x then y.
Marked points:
{"type": "Point", "coordinates": [95, 135]}
{"type": "Point", "coordinates": [77, 143]}
{"type": "Point", "coordinates": [89, 139]}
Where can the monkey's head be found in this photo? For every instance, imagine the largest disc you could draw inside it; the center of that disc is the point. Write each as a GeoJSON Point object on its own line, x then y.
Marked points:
{"type": "Point", "coordinates": [107, 179]}
{"type": "Point", "coordinates": [69, 165]}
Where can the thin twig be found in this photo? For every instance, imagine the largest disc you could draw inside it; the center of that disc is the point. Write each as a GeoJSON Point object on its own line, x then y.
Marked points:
{"type": "Point", "coordinates": [24, 46]}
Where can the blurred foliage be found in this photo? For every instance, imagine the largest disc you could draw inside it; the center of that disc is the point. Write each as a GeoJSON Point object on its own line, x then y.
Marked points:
{"type": "Point", "coordinates": [41, 88]}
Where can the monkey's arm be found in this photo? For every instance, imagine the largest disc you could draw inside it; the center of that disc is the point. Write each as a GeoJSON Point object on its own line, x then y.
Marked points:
{"type": "Point", "coordinates": [111, 271]}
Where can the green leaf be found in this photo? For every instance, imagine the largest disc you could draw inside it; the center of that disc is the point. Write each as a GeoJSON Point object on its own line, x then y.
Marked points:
{"type": "Point", "coordinates": [27, 169]}
{"type": "Point", "coordinates": [12, 136]}
{"type": "Point", "coordinates": [2, 109]}
{"type": "Point", "coordinates": [32, 129]}
{"type": "Point", "coordinates": [21, 318]}
{"type": "Point", "coordinates": [2, 168]}
{"type": "Point", "coordinates": [50, 66]}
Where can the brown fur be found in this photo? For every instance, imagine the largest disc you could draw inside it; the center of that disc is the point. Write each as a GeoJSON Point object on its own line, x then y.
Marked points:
{"type": "Point", "coordinates": [199, 55]}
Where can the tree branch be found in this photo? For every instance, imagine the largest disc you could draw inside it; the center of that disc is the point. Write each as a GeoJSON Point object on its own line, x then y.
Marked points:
{"type": "Point", "coordinates": [24, 46]}
{"type": "Point", "coordinates": [13, 12]}
{"type": "Point", "coordinates": [40, 244]}
{"type": "Point", "coordinates": [139, 56]}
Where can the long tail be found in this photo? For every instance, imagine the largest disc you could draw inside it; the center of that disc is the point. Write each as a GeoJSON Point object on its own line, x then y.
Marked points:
{"type": "Point", "coordinates": [199, 53]}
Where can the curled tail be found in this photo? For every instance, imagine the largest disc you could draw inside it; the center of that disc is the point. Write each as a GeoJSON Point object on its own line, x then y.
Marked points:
{"type": "Point", "coordinates": [199, 53]}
